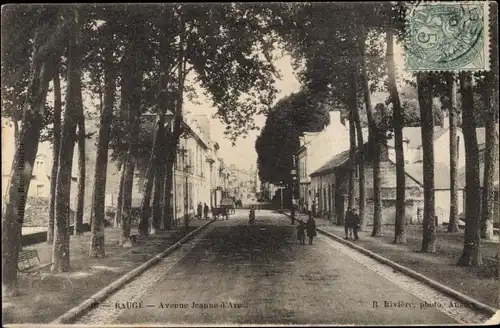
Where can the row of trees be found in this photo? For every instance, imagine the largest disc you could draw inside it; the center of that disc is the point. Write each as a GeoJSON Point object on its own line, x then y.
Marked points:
{"type": "Point", "coordinates": [344, 60]}
{"type": "Point", "coordinates": [136, 59]}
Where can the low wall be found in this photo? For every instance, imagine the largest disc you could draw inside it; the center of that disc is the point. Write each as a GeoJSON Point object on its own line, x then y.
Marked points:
{"type": "Point", "coordinates": [40, 237]}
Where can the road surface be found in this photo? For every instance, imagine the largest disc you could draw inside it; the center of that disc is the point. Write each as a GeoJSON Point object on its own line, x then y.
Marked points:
{"type": "Point", "coordinates": [232, 273]}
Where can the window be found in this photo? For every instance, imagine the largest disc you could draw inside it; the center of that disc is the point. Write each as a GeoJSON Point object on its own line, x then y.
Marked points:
{"type": "Point", "coordinates": [39, 191]}
{"type": "Point", "coordinates": [38, 167]}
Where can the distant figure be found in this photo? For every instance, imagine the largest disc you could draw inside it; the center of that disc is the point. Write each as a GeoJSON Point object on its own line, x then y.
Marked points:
{"type": "Point", "coordinates": [419, 215]}
{"type": "Point", "coordinates": [314, 208]}
{"type": "Point", "coordinates": [355, 223]}
{"type": "Point", "coordinates": [311, 229]}
{"type": "Point", "coordinates": [199, 210]}
{"type": "Point", "coordinates": [292, 214]}
{"type": "Point", "coordinates": [301, 234]}
{"type": "Point", "coordinates": [205, 211]}
{"type": "Point", "coordinates": [347, 222]}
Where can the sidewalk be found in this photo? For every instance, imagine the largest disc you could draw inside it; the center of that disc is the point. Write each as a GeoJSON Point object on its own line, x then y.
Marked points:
{"type": "Point", "coordinates": [42, 300]}
{"type": "Point", "coordinates": [478, 283]}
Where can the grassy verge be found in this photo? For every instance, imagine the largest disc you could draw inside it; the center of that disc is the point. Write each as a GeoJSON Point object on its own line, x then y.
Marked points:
{"type": "Point", "coordinates": [45, 298]}
{"type": "Point", "coordinates": [479, 283]}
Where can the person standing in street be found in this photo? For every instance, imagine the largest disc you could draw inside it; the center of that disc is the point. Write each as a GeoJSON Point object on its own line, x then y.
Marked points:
{"type": "Point", "coordinates": [355, 223]}
{"type": "Point", "coordinates": [199, 210]}
{"type": "Point", "coordinates": [292, 214]}
{"type": "Point", "coordinates": [301, 234]}
{"type": "Point", "coordinates": [311, 228]}
{"type": "Point", "coordinates": [347, 222]}
{"type": "Point", "coordinates": [205, 211]}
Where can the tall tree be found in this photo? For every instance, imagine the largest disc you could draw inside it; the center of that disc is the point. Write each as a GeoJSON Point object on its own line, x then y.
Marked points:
{"type": "Point", "coordinates": [119, 198]}
{"type": "Point", "coordinates": [151, 172]}
{"type": "Point", "coordinates": [491, 151]}
{"type": "Point", "coordinates": [452, 117]}
{"type": "Point", "coordinates": [60, 254]}
{"type": "Point", "coordinates": [47, 49]}
{"type": "Point", "coordinates": [471, 254]}
{"type": "Point", "coordinates": [56, 142]}
{"type": "Point", "coordinates": [425, 82]}
{"type": "Point", "coordinates": [78, 224]}
{"type": "Point", "coordinates": [353, 115]}
{"type": "Point", "coordinates": [398, 122]}
{"type": "Point", "coordinates": [99, 192]}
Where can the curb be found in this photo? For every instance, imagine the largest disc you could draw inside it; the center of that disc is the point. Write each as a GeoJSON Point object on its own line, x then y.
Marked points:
{"type": "Point", "coordinates": [432, 283]}
{"type": "Point", "coordinates": [111, 288]}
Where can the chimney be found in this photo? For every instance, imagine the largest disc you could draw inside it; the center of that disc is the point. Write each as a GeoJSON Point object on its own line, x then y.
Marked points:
{"type": "Point", "coordinates": [335, 117]}
{"type": "Point", "coordinates": [446, 120]}
{"type": "Point", "coordinates": [204, 124]}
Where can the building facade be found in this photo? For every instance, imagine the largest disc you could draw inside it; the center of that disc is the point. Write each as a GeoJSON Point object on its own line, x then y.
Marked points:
{"type": "Point", "coordinates": [315, 150]}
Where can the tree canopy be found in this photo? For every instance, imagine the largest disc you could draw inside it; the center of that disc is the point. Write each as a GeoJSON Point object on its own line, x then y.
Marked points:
{"type": "Point", "coordinates": [279, 139]}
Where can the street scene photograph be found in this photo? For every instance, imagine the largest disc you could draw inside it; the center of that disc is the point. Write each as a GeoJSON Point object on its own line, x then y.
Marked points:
{"type": "Point", "coordinates": [250, 164]}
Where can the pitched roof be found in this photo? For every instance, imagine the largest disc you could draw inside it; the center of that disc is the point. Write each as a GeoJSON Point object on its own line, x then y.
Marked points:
{"type": "Point", "coordinates": [461, 173]}
{"type": "Point", "coordinates": [441, 175]}
{"type": "Point", "coordinates": [481, 134]}
{"type": "Point", "coordinates": [334, 162]}
{"type": "Point", "coordinates": [414, 136]}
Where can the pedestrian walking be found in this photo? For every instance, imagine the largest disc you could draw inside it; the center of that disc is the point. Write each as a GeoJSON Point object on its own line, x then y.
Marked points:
{"type": "Point", "coordinates": [355, 223]}
{"type": "Point", "coordinates": [199, 210]}
{"type": "Point", "coordinates": [347, 222]}
{"type": "Point", "coordinates": [301, 233]}
{"type": "Point", "coordinates": [311, 228]}
{"type": "Point", "coordinates": [292, 214]}
{"type": "Point", "coordinates": [205, 211]}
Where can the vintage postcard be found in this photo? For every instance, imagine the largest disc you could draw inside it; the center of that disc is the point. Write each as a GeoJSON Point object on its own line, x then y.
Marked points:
{"type": "Point", "coordinates": [250, 164]}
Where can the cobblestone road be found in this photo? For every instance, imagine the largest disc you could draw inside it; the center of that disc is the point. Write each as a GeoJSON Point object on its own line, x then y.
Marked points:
{"type": "Point", "coordinates": [240, 274]}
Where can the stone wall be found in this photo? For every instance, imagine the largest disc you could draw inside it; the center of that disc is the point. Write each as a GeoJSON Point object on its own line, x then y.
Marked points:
{"type": "Point", "coordinates": [36, 213]}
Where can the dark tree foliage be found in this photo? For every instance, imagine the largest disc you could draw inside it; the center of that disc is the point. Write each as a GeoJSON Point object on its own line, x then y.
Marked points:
{"type": "Point", "coordinates": [279, 139]}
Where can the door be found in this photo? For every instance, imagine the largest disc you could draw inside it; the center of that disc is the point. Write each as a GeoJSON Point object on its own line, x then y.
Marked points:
{"type": "Point", "coordinates": [339, 208]}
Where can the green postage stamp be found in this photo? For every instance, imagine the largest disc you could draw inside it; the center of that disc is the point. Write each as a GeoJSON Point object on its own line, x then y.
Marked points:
{"type": "Point", "coordinates": [447, 36]}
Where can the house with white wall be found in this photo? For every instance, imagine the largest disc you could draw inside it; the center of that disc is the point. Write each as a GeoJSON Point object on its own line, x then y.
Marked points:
{"type": "Point", "coordinates": [316, 149]}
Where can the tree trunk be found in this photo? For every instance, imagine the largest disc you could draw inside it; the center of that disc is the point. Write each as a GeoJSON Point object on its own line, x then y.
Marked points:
{"type": "Point", "coordinates": [377, 199]}
{"type": "Point", "coordinates": [490, 160]}
{"type": "Point", "coordinates": [46, 54]}
{"type": "Point", "coordinates": [471, 254]}
{"type": "Point", "coordinates": [491, 151]}
{"type": "Point", "coordinates": [352, 160]}
{"type": "Point", "coordinates": [101, 166]}
{"type": "Point", "coordinates": [60, 254]}
{"type": "Point", "coordinates": [128, 184]}
{"type": "Point", "coordinates": [398, 119]}
{"type": "Point", "coordinates": [159, 196]}
{"type": "Point", "coordinates": [56, 142]}
{"type": "Point", "coordinates": [151, 172]}
{"type": "Point", "coordinates": [361, 181]}
{"type": "Point", "coordinates": [452, 116]}
{"type": "Point", "coordinates": [168, 210]}
{"type": "Point", "coordinates": [424, 82]}
{"type": "Point", "coordinates": [78, 224]}
{"type": "Point", "coordinates": [353, 110]}
{"type": "Point", "coordinates": [119, 198]}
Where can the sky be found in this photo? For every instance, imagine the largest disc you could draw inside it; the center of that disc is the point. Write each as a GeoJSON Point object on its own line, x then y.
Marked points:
{"type": "Point", "coordinates": [243, 154]}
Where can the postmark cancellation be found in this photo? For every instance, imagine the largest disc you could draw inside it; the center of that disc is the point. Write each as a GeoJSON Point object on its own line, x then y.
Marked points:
{"type": "Point", "coordinates": [447, 36]}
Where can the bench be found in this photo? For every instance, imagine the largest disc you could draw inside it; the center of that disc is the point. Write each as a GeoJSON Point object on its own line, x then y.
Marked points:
{"type": "Point", "coordinates": [29, 262]}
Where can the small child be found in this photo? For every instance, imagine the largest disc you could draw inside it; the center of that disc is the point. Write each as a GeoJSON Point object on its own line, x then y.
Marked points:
{"type": "Point", "coordinates": [301, 234]}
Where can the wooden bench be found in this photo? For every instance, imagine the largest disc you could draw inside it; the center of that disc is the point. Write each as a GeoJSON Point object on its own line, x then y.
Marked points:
{"type": "Point", "coordinates": [29, 262]}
